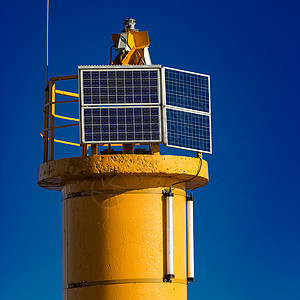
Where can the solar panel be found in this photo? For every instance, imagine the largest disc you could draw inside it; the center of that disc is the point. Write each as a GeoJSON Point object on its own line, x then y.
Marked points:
{"type": "Point", "coordinates": [121, 124]}
{"type": "Point", "coordinates": [187, 110]}
{"type": "Point", "coordinates": [188, 130]}
{"type": "Point", "coordinates": [187, 90]}
{"type": "Point", "coordinates": [113, 86]}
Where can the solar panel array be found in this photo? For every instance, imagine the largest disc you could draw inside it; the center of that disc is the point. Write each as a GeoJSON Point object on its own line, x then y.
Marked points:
{"type": "Point", "coordinates": [187, 111]}
{"type": "Point", "coordinates": [124, 105]}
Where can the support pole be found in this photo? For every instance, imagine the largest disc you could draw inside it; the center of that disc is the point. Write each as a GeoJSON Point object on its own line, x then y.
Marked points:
{"type": "Point", "coordinates": [47, 43]}
{"type": "Point", "coordinates": [46, 125]}
{"type": "Point", "coordinates": [169, 235]}
{"type": "Point", "coordinates": [84, 150]}
{"type": "Point", "coordinates": [51, 119]}
{"type": "Point", "coordinates": [94, 149]}
{"type": "Point", "coordinates": [190, 238]}
{"type": "Point", "coordinates": [128, 148]}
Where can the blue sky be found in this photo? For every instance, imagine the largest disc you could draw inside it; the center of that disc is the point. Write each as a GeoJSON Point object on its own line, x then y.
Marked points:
{"type": "Point", "coordinates": [247, 227]}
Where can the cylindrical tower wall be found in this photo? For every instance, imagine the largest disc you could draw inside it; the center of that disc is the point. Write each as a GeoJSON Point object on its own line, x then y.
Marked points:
{"type": "Point", "coordinates": [114, 239]}
{"type": "Point", "coordinates": [114, 223]}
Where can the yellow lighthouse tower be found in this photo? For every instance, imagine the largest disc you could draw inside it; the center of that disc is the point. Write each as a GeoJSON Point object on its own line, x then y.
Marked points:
{"type": "Point", "coordinates": [127, 220]}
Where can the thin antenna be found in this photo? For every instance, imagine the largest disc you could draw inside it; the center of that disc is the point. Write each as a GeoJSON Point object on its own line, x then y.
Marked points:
{"type": "Point", "coordinates": [47, 63]}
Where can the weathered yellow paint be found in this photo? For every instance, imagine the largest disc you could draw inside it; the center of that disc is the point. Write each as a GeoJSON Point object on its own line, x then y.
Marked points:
{"type": "Point", "coordinates": [114, 223]}
{"type": "Point", "coordinates": [53, 174]}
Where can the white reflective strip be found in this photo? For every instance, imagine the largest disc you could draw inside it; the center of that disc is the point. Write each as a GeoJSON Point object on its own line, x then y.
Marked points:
{"type": "Point", "coordinates": [147, 56]}
{"type": "Point", "coordinates": [190, 234]}
{"type": "Point", "coordinates": [170, 258]}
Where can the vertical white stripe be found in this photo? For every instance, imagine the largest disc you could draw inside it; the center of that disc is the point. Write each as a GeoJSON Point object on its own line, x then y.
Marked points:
{"type": "Point", "coordinates": [170, 258]}
{"type": "Point", "coordinates": [190, 234]}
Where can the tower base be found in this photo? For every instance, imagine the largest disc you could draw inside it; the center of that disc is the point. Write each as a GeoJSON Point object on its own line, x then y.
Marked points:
{"type": "Point", "coordinates": [114, 244]}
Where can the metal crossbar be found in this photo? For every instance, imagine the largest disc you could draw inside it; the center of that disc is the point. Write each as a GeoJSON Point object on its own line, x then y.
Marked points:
{"type": "Point", "coordinates": [49, 116]}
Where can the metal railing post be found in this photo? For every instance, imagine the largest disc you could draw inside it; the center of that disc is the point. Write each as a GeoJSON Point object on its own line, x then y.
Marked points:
{"type": "Point", "coordinates": [51, 119]}
{"type": "Point", "coordinates": [46, 124]}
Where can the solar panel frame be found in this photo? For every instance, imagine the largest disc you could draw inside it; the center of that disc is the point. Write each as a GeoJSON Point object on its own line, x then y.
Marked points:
{"type": "Point", "coordinates": [200, 75]}
{"type": "Point", "coordinates": [146, 95]}
{"type": "Point", "coordinates": [141, 69]}
{"type": "Point", "coordinates": [165, 106]}
{"type": "Point", "coordinates": [145, 122]}
{"type": "Point", "coordinates": [173, 145]}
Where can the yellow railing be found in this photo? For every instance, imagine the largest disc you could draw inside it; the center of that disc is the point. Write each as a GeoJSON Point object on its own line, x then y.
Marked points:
{"type": "Point", "coordinates": [62, 142]}
{"type": "Point", "coordinates": [49, 125]}
{"type": "Point", "coordinates": [49, 116]}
